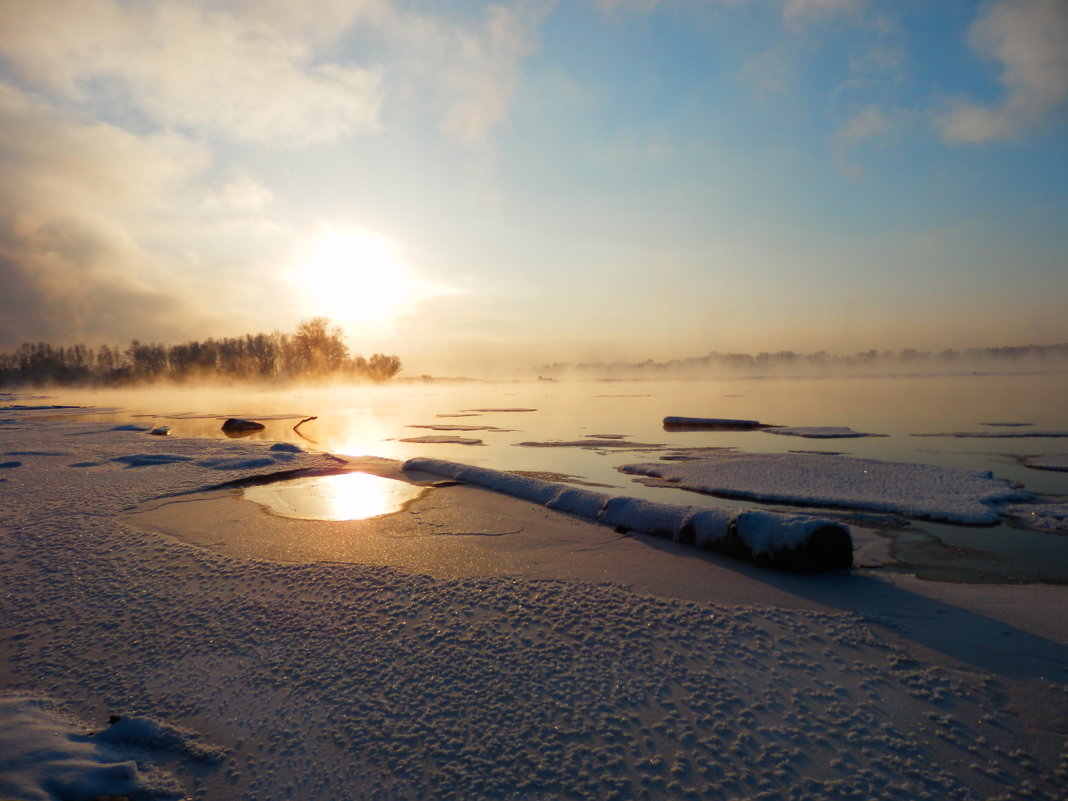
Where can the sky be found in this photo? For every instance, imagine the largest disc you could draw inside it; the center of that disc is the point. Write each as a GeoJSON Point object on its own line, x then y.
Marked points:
{"type": "Point", "coordinates": [466, 183]}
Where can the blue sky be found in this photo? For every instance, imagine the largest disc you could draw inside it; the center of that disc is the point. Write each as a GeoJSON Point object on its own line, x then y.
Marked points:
{"type": "Point", "coordinates": [526, 182]}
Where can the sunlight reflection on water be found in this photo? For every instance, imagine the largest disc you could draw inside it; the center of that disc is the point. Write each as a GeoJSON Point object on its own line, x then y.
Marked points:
{"type": "Point", "coordinates": [348, 496]}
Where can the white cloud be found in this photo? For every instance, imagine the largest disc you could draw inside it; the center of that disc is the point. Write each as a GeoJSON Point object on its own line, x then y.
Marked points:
{"type": "Point", "coordinates": [191, 67]}
{"type": "Point", "coordinates": [868, 124]}
{"type": "Point", "coordinates": [481, 79]}
{"type": "Point", "coordinates": [1029, 38]}
{"type": "Point", "coordinates": [242, 194]}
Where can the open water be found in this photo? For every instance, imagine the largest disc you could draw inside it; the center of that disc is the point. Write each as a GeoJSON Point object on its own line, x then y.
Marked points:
{"type": "Point", "coordinates": [520, 426]}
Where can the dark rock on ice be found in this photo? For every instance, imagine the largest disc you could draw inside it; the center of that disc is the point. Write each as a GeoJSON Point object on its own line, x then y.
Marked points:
{"type": "Point", "coordinates": [238, 426]}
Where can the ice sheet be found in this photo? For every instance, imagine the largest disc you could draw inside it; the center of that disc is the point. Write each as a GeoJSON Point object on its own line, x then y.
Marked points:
{"type": "Point", "coordinates": [924, 491]}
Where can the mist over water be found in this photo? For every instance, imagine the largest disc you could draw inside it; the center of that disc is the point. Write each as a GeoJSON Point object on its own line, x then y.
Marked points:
{"type": "Point", "coordinates": [520, 426]}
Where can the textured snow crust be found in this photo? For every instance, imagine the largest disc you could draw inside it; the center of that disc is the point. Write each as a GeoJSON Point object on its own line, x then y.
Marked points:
{"type": "Point", "coordinates": [332, 681]}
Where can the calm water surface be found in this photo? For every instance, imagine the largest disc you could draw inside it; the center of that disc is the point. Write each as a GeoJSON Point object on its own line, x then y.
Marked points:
{"type": "Point", "coordinates": [375, 420]}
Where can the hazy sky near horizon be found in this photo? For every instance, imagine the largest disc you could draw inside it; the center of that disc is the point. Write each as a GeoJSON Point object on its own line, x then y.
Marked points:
{"type": "Point", "coordinates": [537, 181]}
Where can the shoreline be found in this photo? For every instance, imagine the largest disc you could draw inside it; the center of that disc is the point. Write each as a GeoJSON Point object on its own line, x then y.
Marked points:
{"type": "Point", "coordinates": [325, 679]}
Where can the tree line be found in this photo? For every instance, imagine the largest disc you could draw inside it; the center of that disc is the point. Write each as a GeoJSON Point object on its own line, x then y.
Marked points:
{"type": "Point", "coordinates": [315, 351]}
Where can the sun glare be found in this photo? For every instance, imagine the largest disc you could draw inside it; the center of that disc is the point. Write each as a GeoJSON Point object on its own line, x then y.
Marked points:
{"type": "Point", "coordinates": [349, 274]}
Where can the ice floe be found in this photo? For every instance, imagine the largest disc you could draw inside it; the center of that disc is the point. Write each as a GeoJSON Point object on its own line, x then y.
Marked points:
{"type": "Point", "coordinates": [443, 439]}
{"type": "Point", "coordinates": [592, 442]}
{"type": "Point", "coordinates": [505, 409]}
{"type": "Point", "coordinates": [58, 411]}
{"type": "Point", "coordinates": [450, 427]}
{"type": "Point", "coordinates": [1020, 433]}
{"type": "Point", "coordinates": [1049, 517]}
{"type": "Point", "coordinates": [949, 494]}
{"type": "Point", "coordinates": [1049, 461]}
{"type": "Point", "coordinates": [819, 432]}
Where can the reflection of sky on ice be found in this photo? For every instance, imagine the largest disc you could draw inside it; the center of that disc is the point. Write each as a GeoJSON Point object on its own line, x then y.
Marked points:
{"type": "Point", "coordinates": [348, 496]}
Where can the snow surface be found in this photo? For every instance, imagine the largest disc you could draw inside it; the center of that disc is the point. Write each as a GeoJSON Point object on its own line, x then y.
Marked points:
{"type": "Point", "coordinates": [46, 756]}
{"type": "Point", "coordinates": [925, 491]}
{"type": "Point", "coordinates": [1049, 517]}
{"type": "Point", "coordinates": [329, 681]}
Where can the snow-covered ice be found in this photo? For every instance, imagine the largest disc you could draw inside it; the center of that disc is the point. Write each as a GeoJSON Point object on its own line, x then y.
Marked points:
{"type": "Point", "coordinates": [443, 439]}
{"type": "Point", "coordinates": [819, 432]}
{"type": "Point", "coordinates": [445, 427]}
{"type": "Point", "coordinates": [1012, 433]}
{"type": "Point", "coordinates": [925, 491]}
{"type": "Point", "coordinates": [593, 443]}
{"type": "Point", "coordinates": [1048, 517]}
{"type": "Point", "coordinates": [325, 681]}
{"type": "Point", "coordinates": [1051, 461]}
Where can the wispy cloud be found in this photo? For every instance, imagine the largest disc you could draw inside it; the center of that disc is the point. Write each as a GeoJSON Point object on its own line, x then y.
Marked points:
{"type": "Point", "coordinates": [797, 10]}
{"type": "Point", "coordinates": [869, 124]}
{"type": "Point", "coordinates": [1029, 39]}
{"type": "Point", "coordinates": [192, 68]}
{"type": "Point", "coordinates": [463, 72]}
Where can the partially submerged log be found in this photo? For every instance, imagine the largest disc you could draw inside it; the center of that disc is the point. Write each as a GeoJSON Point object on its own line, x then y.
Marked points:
{"type": "Point", "coordinates": [713, 423]}
{"type": "Point", "coordinates": [796, 543]}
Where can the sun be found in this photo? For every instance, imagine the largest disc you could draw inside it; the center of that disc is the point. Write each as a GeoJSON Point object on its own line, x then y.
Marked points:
{"type": "Point", "coordinates": [350, 274]}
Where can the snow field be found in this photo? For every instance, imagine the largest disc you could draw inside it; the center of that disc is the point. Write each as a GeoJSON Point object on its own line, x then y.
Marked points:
{"type": "Point", "coordinates": [326, 681]}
